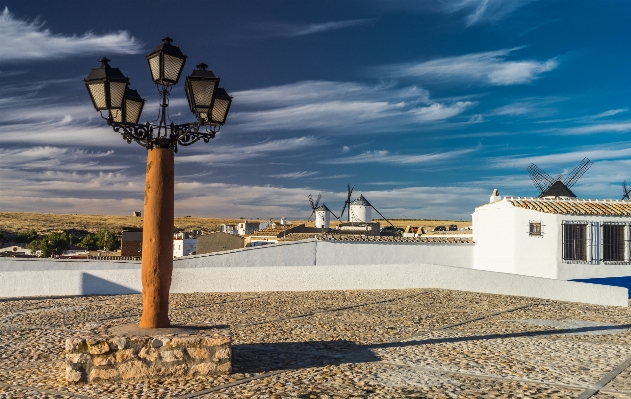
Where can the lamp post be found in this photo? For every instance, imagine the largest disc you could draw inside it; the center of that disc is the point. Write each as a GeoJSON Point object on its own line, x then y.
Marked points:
{"type": "Point", "coordinates": [109, 91]}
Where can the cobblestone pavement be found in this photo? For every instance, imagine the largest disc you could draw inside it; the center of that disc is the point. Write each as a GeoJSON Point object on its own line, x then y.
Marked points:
{"type": "Point", "coordinates": [407, 344]}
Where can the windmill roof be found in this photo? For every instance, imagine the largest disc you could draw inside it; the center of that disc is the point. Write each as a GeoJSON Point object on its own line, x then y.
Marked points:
{"type": "Point", "coordinates": [558, 189]}
{"type": "Point", "coordinates": [361, 201]}
{"type": "Point", "coordinates": [323, 208]}
{"type": "Point", "coordinates": [573, 206]}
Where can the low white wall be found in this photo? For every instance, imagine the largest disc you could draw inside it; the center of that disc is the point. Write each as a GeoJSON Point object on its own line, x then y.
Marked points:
{"type": "Point", "coordinates": [314, 252]}
{"type": "Point", "coordinates": [49, 277]}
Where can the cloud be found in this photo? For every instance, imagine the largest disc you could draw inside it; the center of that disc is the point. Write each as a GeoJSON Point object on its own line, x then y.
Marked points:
{"type": "Point", "coordinates": [345, 149]}
{"type": "Point", "coordinates": [621, 127]}
{"type": "Point", "coordinates": [23, 40]}
{"type": "Point", "coordinates": [479, 11]}
{"type": "Point", "coordinates": [230, 154]}
{"type": "Point", "coordinates": [533, 107]}
{"type": "Point", "coordinates": [54, 158]}
{"type": "Point", "coordinates": [608, 152]}
{"type": "Point", "coordinates": [290, 30]}
{"type": "Point", "coordinates": [611, 112]}
{"type": "Point", "coordinates": [491, 67]}
{"type": "Point", "coordinates": [294, 175]}
{"type": "Point", "coordinates": [439, 111]}
{"type": "Point", "coordinates": [315, 91]}
{"type": "Point", "coordinates": [347, 107]}
{"type": "Point", "coordinates": [387, 157]}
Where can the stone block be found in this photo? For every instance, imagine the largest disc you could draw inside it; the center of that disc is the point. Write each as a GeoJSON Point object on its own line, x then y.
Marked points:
{"type": "Point", "coordinates": [130, 353]}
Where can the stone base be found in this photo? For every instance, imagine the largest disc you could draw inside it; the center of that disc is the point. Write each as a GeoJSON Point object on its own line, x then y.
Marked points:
{"type": "Point", "coordinates": [128, 352]}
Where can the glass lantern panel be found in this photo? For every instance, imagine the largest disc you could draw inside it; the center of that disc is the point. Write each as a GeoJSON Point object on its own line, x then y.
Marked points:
{"type": "Point", "coordinates": [117, 91]}
{"type": "Point", "coordinates": [154, 67]}
{"type": "Point", "coordinates": [203, 92]}
{"type": "Point", "coordinates": [117, 115]}
{"type": "Point", "coordinates": [132, 111]}
{"type": "Point", "coordinates": [172, 67]}
{"type": "Point", "coordinates": [97, 92]}
{"type": "Point", "coordinates": [220, 109]}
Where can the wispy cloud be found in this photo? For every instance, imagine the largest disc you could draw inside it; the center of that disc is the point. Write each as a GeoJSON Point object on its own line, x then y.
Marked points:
{"type": "Point", "coordinates": [230, 154]}
{"type": "Point", "coordinates": [292, 30]}
{"type": "Point", "coordinates": [621, 127]}
{"type": "Point", "coordinates": [439, 111]}
{"type": "Point", "coordinates": [606, 152]}
{"type": "Point", "coordinates": [345, 106]}
{"type": "Point", "coordinates": [480, 11]}
{"type": "Point", "coordinates": [397, 159]}
{"type": "Point", "coordinates": [294, 175]}
{"type": "Point", "coordinates": [24, 40]}
{"type": "Point", "coordinates": [611, 112]}
{"type": "Point", "coordinates": [54, 158]}
{"type": "Point", "coordinates": [531, 107]}
{"type": "Point", "coordinates": [491, 67]}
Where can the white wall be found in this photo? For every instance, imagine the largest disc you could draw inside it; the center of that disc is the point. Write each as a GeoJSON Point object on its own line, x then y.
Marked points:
{"type": "Point", "coordinates": [54, 277]}
{"type": "Point", "coordinates": [493, 233]}
{"type": "Point", "coordinates": [503, 243]}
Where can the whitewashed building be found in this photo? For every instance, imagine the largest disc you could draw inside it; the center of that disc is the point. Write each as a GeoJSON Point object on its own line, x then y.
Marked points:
{"type": "Point", "coordinates": [560, 238]}
{"type": "Point", "coordinates": [184, 247]}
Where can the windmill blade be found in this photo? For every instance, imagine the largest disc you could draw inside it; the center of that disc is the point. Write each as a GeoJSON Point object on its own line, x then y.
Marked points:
{"type": "Point", "coordinates": [578, 171]}
{"type": "Point", "coordinates": [343, 209]}
{"type": "Point", "coordinates": [625, 190]}
{"type": "Point", "coordinates": [317, 201]}
{"type": "Point", "coordinates": [541, 179]}
{"type": "Point", "coordinates": [312, 213]}
{"type": "Point", "coordinates": [311, 201]}
{"type": "Point", "coordinates": [334, 215]}
{"type": "Point", "coordinates": [381, 215]}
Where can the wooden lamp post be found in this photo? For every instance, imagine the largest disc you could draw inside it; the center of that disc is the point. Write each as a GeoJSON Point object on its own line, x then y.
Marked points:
{"type": "Point", "coordinates": [109, 91]}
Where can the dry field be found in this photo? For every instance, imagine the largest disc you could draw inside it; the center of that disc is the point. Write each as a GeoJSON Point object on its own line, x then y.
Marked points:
{"type": "Point", "coordinates": [46, 222]}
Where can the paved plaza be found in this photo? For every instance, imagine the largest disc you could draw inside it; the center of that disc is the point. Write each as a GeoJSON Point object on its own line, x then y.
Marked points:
{"type": "Point", "coordinates": [343, 344]}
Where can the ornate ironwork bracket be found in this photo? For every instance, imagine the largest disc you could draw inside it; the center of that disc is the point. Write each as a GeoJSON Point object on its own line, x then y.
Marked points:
{"type": "Point", "coordinates": [184, 134]}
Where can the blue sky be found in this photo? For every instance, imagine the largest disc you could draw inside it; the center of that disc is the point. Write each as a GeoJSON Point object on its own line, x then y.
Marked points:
{"type": "Point", "coordinates": [424, 106]}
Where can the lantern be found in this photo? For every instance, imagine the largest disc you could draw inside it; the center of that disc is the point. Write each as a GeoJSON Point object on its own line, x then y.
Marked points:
{"type": "Point", "coordinates": [106, 86]}
{"type": "Point", "coordinates": [166, 63]}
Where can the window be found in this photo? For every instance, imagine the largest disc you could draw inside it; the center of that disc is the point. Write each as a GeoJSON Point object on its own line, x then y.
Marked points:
{"type": "Point", "coordinates": [575, 242]}
{"type": "Point", "coordinates": [613, 243]}
{"type": "Point", "coordinates": [535, 228]}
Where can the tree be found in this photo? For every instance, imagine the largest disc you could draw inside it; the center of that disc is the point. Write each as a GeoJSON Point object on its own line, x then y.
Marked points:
{"type": "Point", "coordinates": [28, 236]}
{"type": "Point", "coordinates": [54, 243]}
{"type": "Point", "coordinates": [88, 242]}
{"type": "Point", "coordinates": [107, 239]}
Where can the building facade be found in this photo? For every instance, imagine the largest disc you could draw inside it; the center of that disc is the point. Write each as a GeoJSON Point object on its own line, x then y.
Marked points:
{"type": "Point", "coordinates": [560, 238]}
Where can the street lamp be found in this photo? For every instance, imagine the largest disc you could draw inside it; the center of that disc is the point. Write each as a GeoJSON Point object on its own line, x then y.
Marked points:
{"type": "Point", "coordinates": [109, 91]}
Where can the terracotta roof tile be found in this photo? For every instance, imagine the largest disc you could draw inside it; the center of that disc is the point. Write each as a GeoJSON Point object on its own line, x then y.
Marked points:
{"type": "Point", "coordinates": [573, 206]}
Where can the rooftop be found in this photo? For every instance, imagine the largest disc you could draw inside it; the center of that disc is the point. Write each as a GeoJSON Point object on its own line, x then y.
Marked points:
{"type": "Point", "coordinates": [343, 344]}
{"type": "Point", "coordinates": [573, 206]}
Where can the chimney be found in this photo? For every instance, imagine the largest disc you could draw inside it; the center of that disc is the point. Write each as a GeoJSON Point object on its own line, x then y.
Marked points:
{"type": "Point", "coordinates": [495, 196]}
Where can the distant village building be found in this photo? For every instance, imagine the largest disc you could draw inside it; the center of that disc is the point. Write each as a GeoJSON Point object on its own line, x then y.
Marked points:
{"type": "Point", "coordinates": [218, 241]}
{"type": "Point", "coordinates": [136, 214]}
{"type": "Point", "coordinates": [246, 227]}
{"type": "Point", "coordinates": [184, 246]}
{"type": "Point", "coordinates": [131, 243]}
{"type": "Point", "coordinates": [229, 229]}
